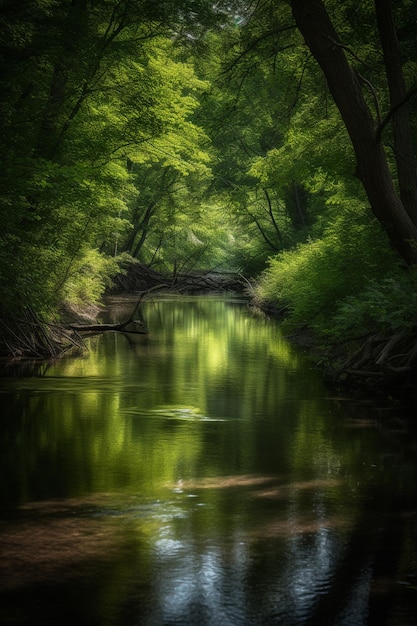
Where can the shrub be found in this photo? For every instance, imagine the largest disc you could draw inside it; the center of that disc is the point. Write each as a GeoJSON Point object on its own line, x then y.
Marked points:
{"type": "Point", "coordinates": [389, 305]}
{"type": "Point", "coordinates": [315, 278]}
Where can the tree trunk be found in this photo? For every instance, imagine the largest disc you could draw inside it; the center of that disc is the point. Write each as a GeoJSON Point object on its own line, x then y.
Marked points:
{"type": "Point", "coordinates": [68, 43]}
{"type": "Point", "coordinates": [345, 86]}
{"type": "Point", "coordinates": [143, 229]}
{"type": "Point", "coordinates": [399, 110]}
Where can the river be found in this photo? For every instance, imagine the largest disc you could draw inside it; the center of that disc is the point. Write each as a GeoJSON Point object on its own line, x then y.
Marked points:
{"type": "Point", "coordinates": [202, 474]}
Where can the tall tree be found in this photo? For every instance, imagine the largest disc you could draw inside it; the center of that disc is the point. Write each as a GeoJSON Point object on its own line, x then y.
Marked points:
{"type": "Point", "coordinates": [346, 86]}
{"type": "Point", "coordinates": [399, 113]}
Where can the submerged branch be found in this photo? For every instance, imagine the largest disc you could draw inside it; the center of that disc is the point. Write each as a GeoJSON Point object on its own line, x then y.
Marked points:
{"type": "Point", "coordinates": [121, 326]}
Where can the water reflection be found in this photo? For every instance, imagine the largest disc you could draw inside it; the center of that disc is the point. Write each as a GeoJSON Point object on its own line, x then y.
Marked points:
{"type": "Point", "coordinates": [201, 475]}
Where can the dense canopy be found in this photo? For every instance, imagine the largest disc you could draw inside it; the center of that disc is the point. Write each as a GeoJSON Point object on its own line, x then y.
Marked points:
{"type": "Point", "coordinates": [271, 139]}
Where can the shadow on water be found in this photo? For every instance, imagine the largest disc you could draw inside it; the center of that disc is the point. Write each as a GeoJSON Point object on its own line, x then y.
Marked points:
{"type": "Point", "coordinates": [202, 474]}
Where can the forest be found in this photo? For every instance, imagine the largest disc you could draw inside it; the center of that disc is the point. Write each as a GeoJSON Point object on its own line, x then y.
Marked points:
{"type": "Point", "coordinates": [269, 140]}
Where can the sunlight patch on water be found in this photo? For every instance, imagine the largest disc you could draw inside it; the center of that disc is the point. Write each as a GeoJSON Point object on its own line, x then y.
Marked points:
{"type": "Point", "coordinates": [282, 490]}
{"type": "Point", "coordinates": [181, 413]}
{"type": "Point", "coordinates": [226, 482]}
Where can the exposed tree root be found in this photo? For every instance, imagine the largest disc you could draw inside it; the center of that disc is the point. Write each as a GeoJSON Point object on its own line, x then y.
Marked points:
{"type": "Point", "coordinates": [382, 358]}
{"type": "Point", "coordinates": [28, 336]}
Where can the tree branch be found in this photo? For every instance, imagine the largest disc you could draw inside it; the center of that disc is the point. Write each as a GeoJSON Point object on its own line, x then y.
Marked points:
{"type": "Point", "coordinates": [393, 111]}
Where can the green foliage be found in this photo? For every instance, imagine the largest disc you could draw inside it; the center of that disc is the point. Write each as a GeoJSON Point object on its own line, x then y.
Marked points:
{"type": "Point", "coordinates": [337, 278]}
{"type": "Point", "coordinates": [314, 278]}
{"type": "Point", "coordinates": [389, 304]}
{"type": "Point", "coordinates": [188, 136]}
{"type": "Point", "coordinates": [103, 89]}
{"type": "Point", "coordinates": [63, 211]}
{"type": "Point", "coordinates": [89, 277]}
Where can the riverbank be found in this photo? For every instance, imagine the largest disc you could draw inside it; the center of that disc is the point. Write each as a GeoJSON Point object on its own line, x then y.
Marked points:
{"type": "Point", "coordinates": [140, 278]}
{"type": "Point", "coordinates": [363, 366]}
{"type": "Point", "coordinates": [378, 364]}
{"type": "Point", "coordinates": [29, 335]}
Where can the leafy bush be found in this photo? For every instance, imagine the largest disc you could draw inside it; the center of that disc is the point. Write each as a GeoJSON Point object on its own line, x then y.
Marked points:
{"type": "Point", "coordinates": [315, 278]}
{"type": "Point", "coordinates": [89, 277]}
{"type": "Point", "coordinates": [389, 304]}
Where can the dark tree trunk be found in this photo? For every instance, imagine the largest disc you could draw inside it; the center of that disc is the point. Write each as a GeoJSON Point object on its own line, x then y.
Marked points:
{"type": "Point", "coordinates": [71, 38]}
{"type": "Point", "coordinates": [399, 110]}
{"type": "Point", "coordinates": [345, 85]}
{"type": "Point", "coordinates": [135, 242]}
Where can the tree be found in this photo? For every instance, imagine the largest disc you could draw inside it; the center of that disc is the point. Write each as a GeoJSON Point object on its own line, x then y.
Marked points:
{"type": "Point", "coordinates": [346, 86]}
{"type": "Point", "coordinates": [242, 114]}
{"type": "Point", "coordinates": [399, 114]}
{"type": "Point", "coordinates": [83, 93]}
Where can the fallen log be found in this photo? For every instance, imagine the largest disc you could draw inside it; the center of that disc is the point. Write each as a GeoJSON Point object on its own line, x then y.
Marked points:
{"type": "Point", "coordinates": [102, 328]}
{"type": "Point", "coordinates": [121, 326]}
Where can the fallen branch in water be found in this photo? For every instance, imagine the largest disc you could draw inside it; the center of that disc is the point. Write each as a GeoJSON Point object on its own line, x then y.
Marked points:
{"type": "Point", "coordinates": [121, 326]}
{"type": "Point", "coordinates": [102, 328]}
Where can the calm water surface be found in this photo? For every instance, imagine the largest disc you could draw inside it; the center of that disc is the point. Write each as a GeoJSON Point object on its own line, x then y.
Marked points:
{"type": "Point", "coordinates": [202, 474]}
